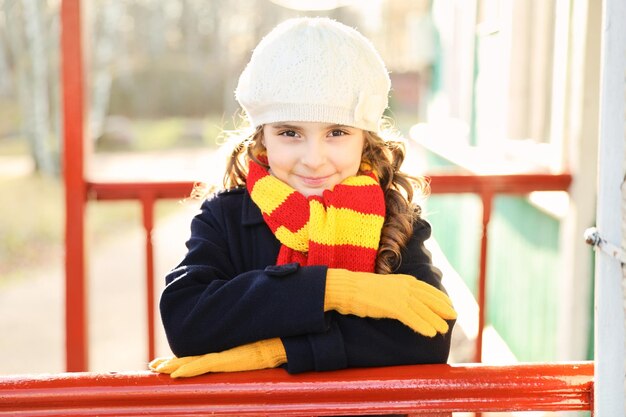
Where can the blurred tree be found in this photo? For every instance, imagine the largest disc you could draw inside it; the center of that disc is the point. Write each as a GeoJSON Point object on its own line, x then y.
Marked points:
{"type": "Point", "coordinates": [32, 40]}
{"type": "Point", "coordinates": [143, 59]}
{"type": "Point", "coordinates": [105, 38]}
{"type": "Point", "coordinates": [5, 77]}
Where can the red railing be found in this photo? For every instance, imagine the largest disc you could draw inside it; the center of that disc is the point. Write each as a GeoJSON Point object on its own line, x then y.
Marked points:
{"type": "Point", "coordinates": [485, 186]}
{"type": "Point", "coordinates": [75, 188]}
{"type": "Point", "coordinates": [419, 390]}
{"type": "Point", "coordinates": [147, 194]}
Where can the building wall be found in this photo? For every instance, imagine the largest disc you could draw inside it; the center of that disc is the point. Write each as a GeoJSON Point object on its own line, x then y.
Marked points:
{"type": "Point", "coordinates": [534, 97]}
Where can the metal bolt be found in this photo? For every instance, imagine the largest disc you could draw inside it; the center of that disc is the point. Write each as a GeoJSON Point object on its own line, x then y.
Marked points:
{"type": "Point", "coordinates": [592, 236]}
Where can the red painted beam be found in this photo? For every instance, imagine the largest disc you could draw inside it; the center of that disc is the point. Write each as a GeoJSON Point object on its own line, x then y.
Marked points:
{"type": "Point", "coordinates": [405, 389]}
{"type": "Point", "coordinates": [138, 190]}
{"type": "Point", "coordinates": [147, 205]}
{"type": "Point", "coordinates": [75, 189]}
{"type": "Point", "coordinates": [440, 184]}
{"type": "Point", "coordinates": [481, 294]}
{"type": "Point", "coordinates": [499, 184]}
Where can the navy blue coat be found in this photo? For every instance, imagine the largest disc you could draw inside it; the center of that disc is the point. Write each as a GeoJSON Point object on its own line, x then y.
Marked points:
{"type": "Point", "coordinates": [227, 292]}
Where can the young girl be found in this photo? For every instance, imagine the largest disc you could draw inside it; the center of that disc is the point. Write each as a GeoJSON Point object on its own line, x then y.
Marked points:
{"type": "Point", "coordinates": [313, 256]}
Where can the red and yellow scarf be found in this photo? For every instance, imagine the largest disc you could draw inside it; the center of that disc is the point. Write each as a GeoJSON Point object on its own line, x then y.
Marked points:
{"type": "Point", "coordinates": [340, 229]}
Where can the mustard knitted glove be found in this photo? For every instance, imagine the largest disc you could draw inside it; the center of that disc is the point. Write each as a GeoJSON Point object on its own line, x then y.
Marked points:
{"type": "Point", "coordinates": [268, 353]}
{"type": "Point", "coordinates": [415, 303]}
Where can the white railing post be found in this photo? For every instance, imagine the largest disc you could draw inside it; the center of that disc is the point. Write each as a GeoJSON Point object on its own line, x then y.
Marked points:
{"type": "Point", "coordinates": [609, 302]}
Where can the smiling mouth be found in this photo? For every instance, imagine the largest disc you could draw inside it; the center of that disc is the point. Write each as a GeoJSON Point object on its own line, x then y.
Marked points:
{"type": "Point", "coordinates": [314, 181]}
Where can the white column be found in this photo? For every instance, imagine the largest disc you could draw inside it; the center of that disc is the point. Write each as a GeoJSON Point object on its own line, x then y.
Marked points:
{"type": "Point", "coordinates": [609, 311]}
{"type": "Point", "coordinates": [579, 133]}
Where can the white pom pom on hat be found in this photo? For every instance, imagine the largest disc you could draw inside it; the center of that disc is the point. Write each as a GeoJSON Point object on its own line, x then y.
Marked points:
{"type": "Point", "coordinates": [314, 70]}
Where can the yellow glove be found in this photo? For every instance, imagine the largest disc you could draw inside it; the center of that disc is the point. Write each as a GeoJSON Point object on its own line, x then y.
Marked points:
{"type": "Point", "coordinates": [415, 303]}
{"type": "Point", "coordinates": [268, 353]}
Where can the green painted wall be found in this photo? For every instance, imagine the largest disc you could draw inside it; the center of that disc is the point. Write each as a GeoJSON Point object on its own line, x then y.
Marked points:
{"type": "Point", "coordinates": [521, 267]}
{"type": "Point", "coordinates": [456, 222]}
{"type": "Point", "coordinates": [522, 274]}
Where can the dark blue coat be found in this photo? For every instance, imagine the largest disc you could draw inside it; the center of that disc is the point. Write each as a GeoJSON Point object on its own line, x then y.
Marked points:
{"type": "Point", "coordinates": [227, 292]}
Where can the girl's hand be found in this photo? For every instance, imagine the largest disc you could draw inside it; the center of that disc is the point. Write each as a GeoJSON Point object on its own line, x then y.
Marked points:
{"type": "Point", "coordinates": [268, 353]}
{"type": "Point", "coordinates": [415, 303]}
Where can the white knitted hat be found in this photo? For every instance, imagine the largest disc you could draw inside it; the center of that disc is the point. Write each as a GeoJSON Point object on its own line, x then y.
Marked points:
{"type": "Point", "coordinates": [314, 70]}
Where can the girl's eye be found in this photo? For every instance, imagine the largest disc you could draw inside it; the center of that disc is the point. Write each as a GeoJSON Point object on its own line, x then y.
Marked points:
{"type": "Point", "coordinates": [289, 133]}
{"type": "Point", "coordinates": [337, 132]}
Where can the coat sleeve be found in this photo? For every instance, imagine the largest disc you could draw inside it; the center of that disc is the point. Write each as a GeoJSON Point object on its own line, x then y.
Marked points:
{"type": "Point", "coordinates": [351, 341]}
{"type": "Point", "coordinates": [212, 303]}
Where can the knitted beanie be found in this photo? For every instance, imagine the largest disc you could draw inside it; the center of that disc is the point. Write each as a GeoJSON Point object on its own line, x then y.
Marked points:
{"type": "Point", "coordinates": [314, 70]}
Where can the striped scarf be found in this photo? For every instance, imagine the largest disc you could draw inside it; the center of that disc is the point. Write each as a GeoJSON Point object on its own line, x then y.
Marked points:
{"type": "Point", "coordinates": [340, 229]}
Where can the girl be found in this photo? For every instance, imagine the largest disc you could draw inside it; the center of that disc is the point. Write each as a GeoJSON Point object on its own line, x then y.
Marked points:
{"type": "Point", "coordinates": [313, 256]}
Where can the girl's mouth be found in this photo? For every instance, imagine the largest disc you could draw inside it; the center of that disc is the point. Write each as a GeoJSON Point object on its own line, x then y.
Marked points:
{"type": "Point", "coordinates": [314, 181]}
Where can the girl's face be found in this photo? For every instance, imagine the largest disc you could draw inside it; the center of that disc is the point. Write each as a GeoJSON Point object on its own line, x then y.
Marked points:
{"type": "Point", "coordinates": [312, 157]}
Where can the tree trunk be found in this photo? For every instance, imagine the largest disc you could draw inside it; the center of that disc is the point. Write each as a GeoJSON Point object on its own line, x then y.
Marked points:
{"type": "Point", "coordinates": [30, 50]}
{"type": "Point", "coordinates": [105, 45]}
{"type": "Point", "coordinates": [39, 126]}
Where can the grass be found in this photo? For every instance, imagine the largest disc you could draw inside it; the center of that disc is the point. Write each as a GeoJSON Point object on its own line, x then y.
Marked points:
{"type": "Point", "coordinates": [14, 146]}
{"type": "Point", "coordinates": [30, 222]}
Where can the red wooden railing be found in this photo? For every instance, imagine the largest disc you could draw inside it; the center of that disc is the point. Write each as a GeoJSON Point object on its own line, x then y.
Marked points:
{"type": "Point", "coordinates": [485, 186]}
{"type": "Point", "coordinates": [418, 390]}
{"type": "Point", "coordinates": [147, 194]}
{"type": "Point", "coordinates": [75, 189]}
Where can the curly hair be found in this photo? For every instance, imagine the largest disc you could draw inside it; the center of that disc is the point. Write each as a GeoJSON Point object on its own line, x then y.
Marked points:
{"type": "Point", "coordinates": [385, 153]}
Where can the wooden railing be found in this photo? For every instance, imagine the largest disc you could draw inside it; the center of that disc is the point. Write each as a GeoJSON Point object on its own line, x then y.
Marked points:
{"type": "Point", "coordinates": [418, 390]}
{"type": "Point", "coordinates": [487, 187]}
{"type": "Point", "coordinates": [148, 193]}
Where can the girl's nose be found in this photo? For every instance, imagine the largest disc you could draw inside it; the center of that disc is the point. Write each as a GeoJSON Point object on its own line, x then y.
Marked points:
{"type": "Point", "coordinates": [314, 155]}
